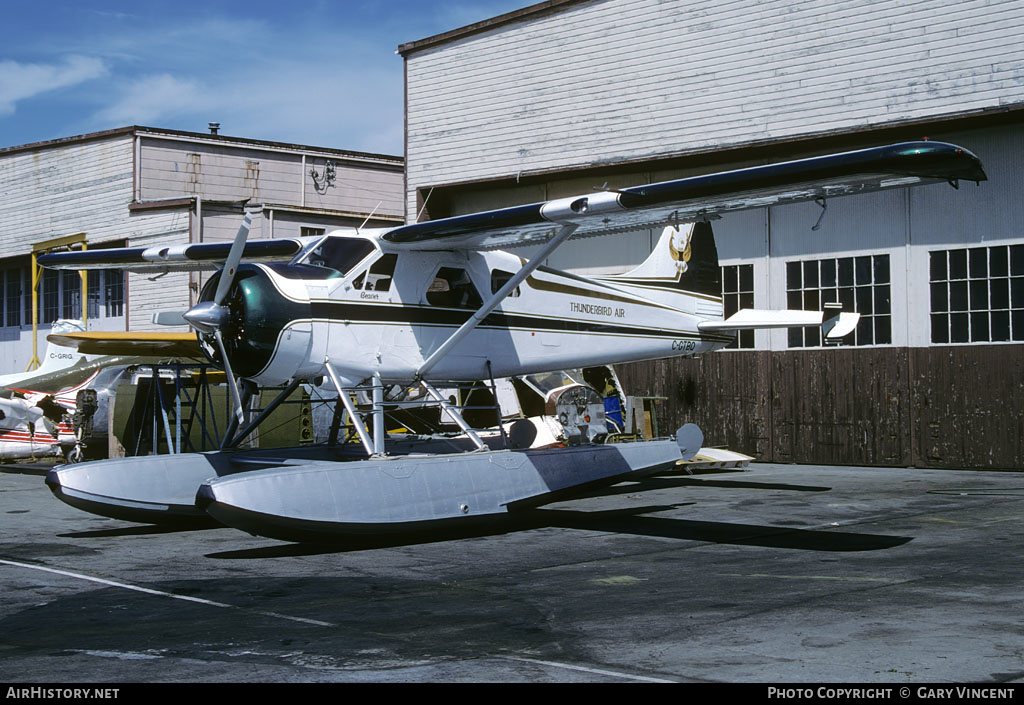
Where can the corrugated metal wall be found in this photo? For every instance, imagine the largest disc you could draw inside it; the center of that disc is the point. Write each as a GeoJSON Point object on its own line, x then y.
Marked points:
{"type": "Point", "coordinates": [950, 407]}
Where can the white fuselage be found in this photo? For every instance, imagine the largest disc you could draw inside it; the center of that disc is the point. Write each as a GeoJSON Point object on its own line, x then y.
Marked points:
{"type": "Point", "coordinates": [367, 322]}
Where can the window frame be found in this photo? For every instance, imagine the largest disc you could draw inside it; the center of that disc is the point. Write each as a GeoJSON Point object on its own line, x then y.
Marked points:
{"type": "Point", "coordinates": [862, 283]}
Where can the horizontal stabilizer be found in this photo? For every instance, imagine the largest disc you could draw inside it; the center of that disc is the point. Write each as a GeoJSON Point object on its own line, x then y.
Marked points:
{"type": "Point", "coordinates": [842, 324]}
{"type": "Point", "coordinates": [754, 318]}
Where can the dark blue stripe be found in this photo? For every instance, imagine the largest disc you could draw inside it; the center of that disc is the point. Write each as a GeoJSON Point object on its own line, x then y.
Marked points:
{"type": "Point", "coordinates": [517, 216]}
{"type": "Point", "coordinates": [255, 249]}
{"type": "Point", "coordinates": [114, 257]}
{"type": "Point", "coordinates": [203, 252]}
{"type": "Point", "coordinates": [936, 160]}
{"type": "Point", "coordinates": [416, 315]}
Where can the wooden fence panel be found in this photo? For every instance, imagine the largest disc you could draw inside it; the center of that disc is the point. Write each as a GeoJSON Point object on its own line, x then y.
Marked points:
{"type": "Point", "coordinates": [945, 407]}
{"type": "Point", "coordinates": [969, 403]}
{"type": "Point", "coordinates": [727, 394]}
{"type": "Point", "coordinates": [841, 407]}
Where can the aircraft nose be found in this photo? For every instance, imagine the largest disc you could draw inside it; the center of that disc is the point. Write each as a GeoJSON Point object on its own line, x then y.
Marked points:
{"type": "Point", "coordinates": [256, 314]}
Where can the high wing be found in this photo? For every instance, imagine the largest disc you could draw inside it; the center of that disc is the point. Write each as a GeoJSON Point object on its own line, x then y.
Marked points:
{"type": "Point", "coordinates": [698, 197]}
{"type": "Point", "coordinates": [602, 213]}
{"type": "Point", "coordinates": [160, 258]}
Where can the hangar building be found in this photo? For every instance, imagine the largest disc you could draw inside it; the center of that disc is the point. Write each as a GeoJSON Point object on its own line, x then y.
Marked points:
{"type": "Point", "coordinates": [142, 186]}
{"type": "Point", "coordinates": [564, 96]}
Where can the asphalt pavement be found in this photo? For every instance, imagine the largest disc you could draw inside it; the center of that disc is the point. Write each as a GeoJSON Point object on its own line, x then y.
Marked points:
{"type": "Point", "coordinates": [780, 574]}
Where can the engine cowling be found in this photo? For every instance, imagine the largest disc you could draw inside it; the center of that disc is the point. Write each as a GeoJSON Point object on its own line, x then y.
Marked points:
{"type": "Point", "coordinates": [267, 330]}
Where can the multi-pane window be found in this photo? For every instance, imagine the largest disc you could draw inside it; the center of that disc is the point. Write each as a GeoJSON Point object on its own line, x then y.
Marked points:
{"type": "Point", "coordinates": [50, 296]}
{"type": "Point", "coordinates": [738, 293]}
{"type": "Point", "coordinates": [71, 294]}
{"type": "Point", "coordinates": [12, 294]}
{"type": "Point", "coordinates": [977, 294]}
{"type": "Point", "coordinates": [860, 284]}
{"type": "Point", "coordinates": [93, 293]}
{"type": "Point", "coordinates": [59, 296]}
{"type": "Point", "coordinates": [113, 290]}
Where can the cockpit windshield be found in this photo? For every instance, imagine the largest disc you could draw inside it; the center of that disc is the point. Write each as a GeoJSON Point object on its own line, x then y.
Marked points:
{"type": "Point", "coordinates": [337, 253]}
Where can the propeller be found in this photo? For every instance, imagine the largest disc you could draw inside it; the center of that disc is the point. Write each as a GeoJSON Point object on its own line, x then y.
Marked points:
{"type": "Point", "coordinates": [210, 316]}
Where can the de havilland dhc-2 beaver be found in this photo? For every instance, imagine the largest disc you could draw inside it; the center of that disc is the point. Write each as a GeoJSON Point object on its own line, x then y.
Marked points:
{"type": "Point", "coordinates": [435, 302]}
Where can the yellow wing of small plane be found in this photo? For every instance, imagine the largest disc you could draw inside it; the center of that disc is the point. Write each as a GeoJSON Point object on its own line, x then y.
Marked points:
{"type": "Point", "coordinates": [165, 345]}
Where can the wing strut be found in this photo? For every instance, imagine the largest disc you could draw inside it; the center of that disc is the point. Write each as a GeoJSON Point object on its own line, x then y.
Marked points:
{"type": "Point", "coordinates": [357, 420]}
{"type": "Point", "coordinates": [563, 234]}
{"type": "Point", "coordinates": [454, 414]}
{"type": "Point", "coordinates": [240, 436]}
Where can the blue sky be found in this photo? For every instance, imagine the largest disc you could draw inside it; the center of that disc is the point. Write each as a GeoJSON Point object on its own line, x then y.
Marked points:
{"type": "Point", "coordinates": [318, 73]}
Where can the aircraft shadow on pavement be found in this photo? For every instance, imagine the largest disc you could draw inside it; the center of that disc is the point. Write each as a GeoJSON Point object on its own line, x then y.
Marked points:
{"type": "Point", "coordinates": [143, 530]}
{"type": "Point", "coordinates": [618, 521]}
{"type": "Point", "coordinates": [664, 483]}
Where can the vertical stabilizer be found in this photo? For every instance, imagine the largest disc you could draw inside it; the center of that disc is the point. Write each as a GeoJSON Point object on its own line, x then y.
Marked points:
{"type": "Point", "coordinates": [685, 259]}
{"type": "Point", "coordinates": [59, 357]}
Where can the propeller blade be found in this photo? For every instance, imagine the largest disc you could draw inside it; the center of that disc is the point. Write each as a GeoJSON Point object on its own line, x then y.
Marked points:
{"type": "Point", "coordinates": [227, 274]}
{"type": "Point", "coordinates": [232, 383]}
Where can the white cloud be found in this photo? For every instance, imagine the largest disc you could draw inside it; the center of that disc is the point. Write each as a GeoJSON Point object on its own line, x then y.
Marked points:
{"type": "Point", "coordinates": [152, 99]}
{"type": "Point", "coordinates": [19, 81]}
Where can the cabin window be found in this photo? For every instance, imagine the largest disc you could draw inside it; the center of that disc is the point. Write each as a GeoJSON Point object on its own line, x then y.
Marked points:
{"type": "Point", "coordinates": [499, 277]}
{"type": "Point", "coordinates": [378, 277]}
{"type": "Point", "coordinates": [977, 294]}
{"type": "Point", "coordinates": [452, 288]}
{"type": "Point", "coordinates": [338, 253]}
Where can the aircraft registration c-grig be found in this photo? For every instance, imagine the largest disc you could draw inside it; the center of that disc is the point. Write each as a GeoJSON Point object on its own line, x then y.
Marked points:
{"type": "Point", "coordinates": [438, 301]}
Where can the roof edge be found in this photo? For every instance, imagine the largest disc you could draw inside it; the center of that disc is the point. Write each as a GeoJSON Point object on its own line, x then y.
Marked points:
{"type": "Point", "coordinates": [240, 141]}
{"type": "Point", "coordinates": [548, 7]}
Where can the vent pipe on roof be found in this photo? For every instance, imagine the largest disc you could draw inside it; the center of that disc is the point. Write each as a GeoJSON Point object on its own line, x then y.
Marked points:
{"type": "Point", "coordinates": [214, 127]}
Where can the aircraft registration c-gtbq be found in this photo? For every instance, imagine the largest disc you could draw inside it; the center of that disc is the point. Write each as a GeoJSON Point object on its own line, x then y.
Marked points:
{"type": "Point", "coordinates": [440, 300]}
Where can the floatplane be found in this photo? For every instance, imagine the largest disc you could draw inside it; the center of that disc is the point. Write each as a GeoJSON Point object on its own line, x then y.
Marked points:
{"type": "Point", "coordinates": [418, 306]}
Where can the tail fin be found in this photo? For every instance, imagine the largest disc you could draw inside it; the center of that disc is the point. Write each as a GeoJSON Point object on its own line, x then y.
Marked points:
{"type": "Point", "coordinates": [59, 357]}
{"type": "Point", "coordinates": [685, 259]}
